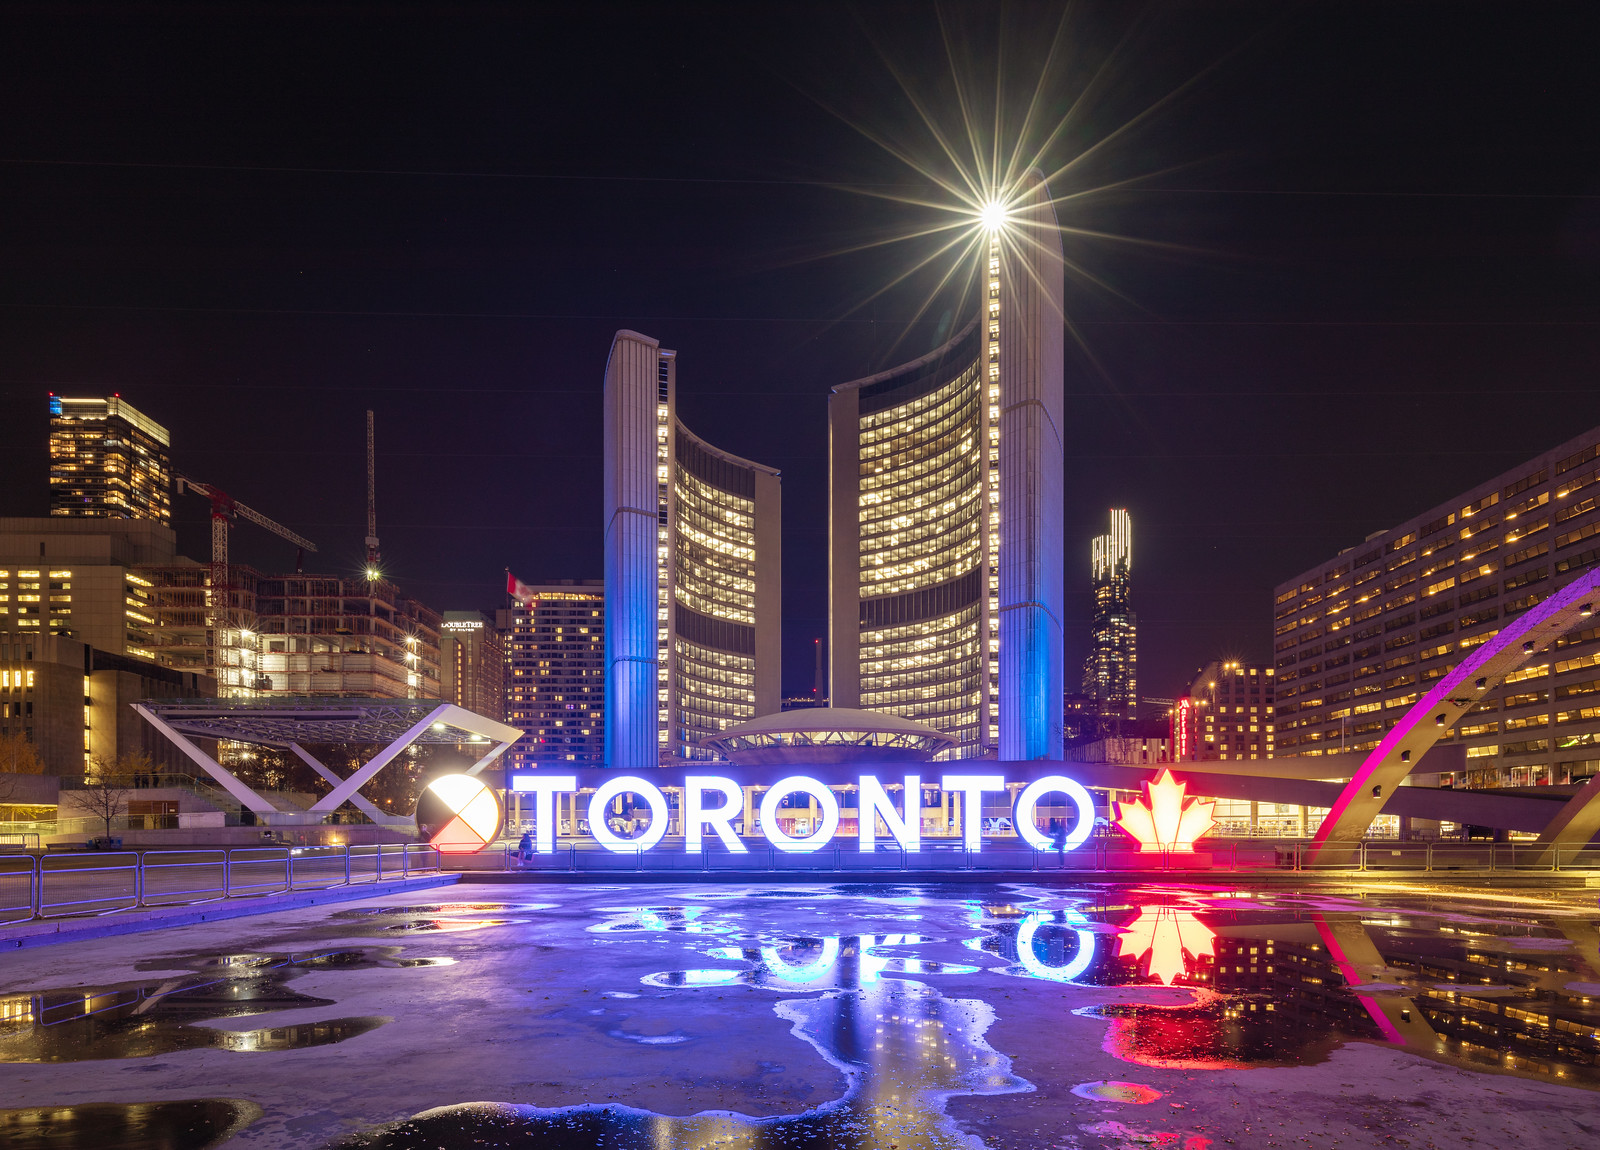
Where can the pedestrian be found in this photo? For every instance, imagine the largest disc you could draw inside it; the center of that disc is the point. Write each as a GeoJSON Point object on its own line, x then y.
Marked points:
{"type": "Point", "coordinates": [525, 848]}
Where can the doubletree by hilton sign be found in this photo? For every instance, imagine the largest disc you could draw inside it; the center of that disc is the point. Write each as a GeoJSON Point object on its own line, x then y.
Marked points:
{"type": "Point", "coordinates": [710, 802]}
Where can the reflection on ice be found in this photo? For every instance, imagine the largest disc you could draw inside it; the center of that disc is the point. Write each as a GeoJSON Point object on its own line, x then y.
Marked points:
{"type": "Point", "coordinates": [902, 1047]}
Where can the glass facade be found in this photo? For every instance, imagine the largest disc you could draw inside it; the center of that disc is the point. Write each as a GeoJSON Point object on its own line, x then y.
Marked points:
{"type": "Point", "coordinates": [926, 514]}
{"type": "Point", "coordinates": [1362, 637]}
{"type": "Point", "coordinates": [710, 667]}
{"type": "Point", "coordinates": [108, 460]}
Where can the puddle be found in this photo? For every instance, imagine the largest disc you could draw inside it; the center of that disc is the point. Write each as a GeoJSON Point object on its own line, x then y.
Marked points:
{"type": "Point", "coordinates": [140, 1019]}
{"type": "Point", "coordinates": [661, 919]}
{"type": "Point", "coordinates": [902, 1047]}
{"type": "Point", "coordinates": [1129, 1092]}
{"type": "Point", "coordinates": [190, 1125]}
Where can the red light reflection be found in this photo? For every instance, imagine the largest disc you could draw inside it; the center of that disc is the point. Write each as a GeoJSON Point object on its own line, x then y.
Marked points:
{"type": "Point", "coordinates": [1166, 932]}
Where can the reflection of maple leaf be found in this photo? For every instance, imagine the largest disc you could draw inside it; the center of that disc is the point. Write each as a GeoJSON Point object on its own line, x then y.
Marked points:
{"type": "Point", "coordinates": [1166, 932]}
{"type": "Point", "coordinates": [1166, 820]}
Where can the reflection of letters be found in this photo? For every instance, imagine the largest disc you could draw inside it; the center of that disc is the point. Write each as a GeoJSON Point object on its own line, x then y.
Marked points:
{"type": "Point", "coordinates": [1066, 973]}
{"type": "Point", "coordinates": [875, 803]}
{"type": "Point", "coordinates": [805, 971]}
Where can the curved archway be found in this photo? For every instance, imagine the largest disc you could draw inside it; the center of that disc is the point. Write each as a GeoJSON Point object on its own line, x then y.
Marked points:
{"type": "Point", "coordinates": [1433, 715]}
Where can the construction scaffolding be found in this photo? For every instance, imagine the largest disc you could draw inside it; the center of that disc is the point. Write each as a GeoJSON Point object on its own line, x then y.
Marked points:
{"type": "Point", "coordinates": [324, 635]}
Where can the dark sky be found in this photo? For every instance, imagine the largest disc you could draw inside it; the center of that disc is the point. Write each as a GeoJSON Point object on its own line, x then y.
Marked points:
{"type": "Point", "coordinates": [1367, 273]}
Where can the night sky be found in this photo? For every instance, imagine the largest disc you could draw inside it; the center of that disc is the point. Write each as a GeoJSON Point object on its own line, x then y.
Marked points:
{"type": "Point", "coordinates": [1347, 263]}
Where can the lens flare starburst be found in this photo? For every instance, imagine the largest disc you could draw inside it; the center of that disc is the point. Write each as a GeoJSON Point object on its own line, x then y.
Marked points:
{"type": "Point", "coordinates": [1005, 143]}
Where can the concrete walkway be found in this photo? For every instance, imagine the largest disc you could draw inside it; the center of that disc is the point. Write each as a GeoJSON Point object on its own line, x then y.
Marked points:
{"type": "Point", "coordinates": [80, 928]}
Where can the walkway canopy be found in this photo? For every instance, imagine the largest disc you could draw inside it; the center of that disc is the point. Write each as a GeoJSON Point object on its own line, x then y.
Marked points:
{"type": "Point", "coordinates": [291, 723]}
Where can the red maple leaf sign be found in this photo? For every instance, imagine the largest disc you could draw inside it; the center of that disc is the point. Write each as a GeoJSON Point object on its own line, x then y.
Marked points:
{"type": "Point", "coordinates": [1166, 820]}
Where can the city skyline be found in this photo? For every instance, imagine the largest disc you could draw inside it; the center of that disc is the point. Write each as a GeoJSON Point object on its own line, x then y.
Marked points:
{"type": "Point", "coordinates": [1230, 410]}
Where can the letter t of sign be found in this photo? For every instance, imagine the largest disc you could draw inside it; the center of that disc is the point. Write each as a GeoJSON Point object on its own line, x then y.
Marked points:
{"type": "Point", "coordinates": [971, 788]}
{"type": "Point", "coordinates": [544, 789]}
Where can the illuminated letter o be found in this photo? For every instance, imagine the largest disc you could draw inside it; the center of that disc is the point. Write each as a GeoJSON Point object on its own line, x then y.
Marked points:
{"type": "Point", "coordinates": [799, 784]}
{"type": "Point", "coordinates": [1022, 814]}
{"type": "Point", "coordinates": [610, 789]}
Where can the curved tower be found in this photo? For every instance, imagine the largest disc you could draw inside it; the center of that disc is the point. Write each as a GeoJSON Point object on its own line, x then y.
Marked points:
{"type": "Point", "coordinates": [945, 515]}
{"type": "Point", "coordinates": [693, 560]}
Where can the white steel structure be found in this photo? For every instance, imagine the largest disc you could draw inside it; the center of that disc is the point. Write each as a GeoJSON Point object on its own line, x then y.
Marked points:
{"type": "Point", "coordinates": [292, 723]}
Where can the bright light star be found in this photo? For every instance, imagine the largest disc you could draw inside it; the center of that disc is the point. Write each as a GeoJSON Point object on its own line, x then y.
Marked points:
{"type": "Point", "coordinates": [993, 215]}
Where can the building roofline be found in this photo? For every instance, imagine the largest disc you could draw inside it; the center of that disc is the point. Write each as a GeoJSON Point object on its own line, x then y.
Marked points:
{"type": "Point", "coordinates": [911, 365]}
{"type": "Point", "coordinates": [728, 456]}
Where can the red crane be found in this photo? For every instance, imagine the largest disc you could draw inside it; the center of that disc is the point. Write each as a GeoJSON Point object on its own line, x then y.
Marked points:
{"type": "Point", "coordinates": [223, 509]}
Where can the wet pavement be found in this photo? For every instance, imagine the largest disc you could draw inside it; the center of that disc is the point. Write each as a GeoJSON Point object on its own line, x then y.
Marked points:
{"type": "Point", "coordinates": [862, 1015]}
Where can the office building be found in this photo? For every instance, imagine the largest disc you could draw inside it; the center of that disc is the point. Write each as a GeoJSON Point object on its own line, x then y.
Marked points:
{"type": "Point", "coordinates": [1111, 670]}
{"type": "Point", "coordinates": [82, 579]}
{"type": "Point", "coordinates": [472, 664]}
{"type": "Point", "coordinates": [108, 460]}
{"type": "Point", "coordinates": [70, 701]}
{"type": "Point", "coordinates": [1227, 714]}
{"type": "Point", "coordinates": [693, 571]}
{"type": "Point", "coordinates": [1359, 638]}
{"type": "Point", "coordinates": [554, 644]}
{"type": "Point", "coordinates": [946, 503]}
{"type": "Point", "coordinates": [77, 639]}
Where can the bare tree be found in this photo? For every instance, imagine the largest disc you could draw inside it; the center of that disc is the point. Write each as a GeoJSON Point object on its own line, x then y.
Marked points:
{"type": "Point", "coordinates": [110, 785]}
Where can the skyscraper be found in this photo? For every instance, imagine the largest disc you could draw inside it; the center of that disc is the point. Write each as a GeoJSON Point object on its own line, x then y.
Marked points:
{"type": "Point", "coordinates": [946, 499]}
{"type": "Point", "coordinates": [108, 460]}
{"type": "Point", "coordinates": [693, 562]}
{"type": "Point", "coordinates": [554, 641]}
{"type": "Point", "coordinates": [1110, 673]}
{"type": "Point", "coordinates": [472, 664]}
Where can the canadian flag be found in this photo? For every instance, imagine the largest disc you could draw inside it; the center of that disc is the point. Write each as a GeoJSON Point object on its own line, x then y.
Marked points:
{"type": "Point", "coordinates": [517, 589]}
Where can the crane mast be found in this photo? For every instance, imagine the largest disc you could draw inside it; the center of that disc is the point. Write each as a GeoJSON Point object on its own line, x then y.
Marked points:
{"type": "Point", "coordinates": [372, 501]}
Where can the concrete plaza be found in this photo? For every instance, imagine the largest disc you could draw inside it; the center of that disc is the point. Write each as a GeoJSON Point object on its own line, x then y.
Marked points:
{"type": "Point", "coordinates": [885, 1015]}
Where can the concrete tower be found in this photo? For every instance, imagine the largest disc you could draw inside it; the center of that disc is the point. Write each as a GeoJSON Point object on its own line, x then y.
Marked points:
{"type": "Point", "coordinates": [945, 514]}
{"type": "Point", "coordinates": [693, 570]}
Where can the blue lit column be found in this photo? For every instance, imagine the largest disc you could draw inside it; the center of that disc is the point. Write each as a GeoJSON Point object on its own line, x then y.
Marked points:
{"type": "Point", "coordinates": [1032, 587]}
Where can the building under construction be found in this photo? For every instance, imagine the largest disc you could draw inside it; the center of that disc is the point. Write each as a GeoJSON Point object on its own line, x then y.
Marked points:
{"type": "Point", "coordinates": [327, 635]}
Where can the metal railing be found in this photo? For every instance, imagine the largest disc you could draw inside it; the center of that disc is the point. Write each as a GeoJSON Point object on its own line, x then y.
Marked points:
{"type": "Point", "coordinates": [41, 886]}
{"type": "Point", "coordinates": [1244, 857]}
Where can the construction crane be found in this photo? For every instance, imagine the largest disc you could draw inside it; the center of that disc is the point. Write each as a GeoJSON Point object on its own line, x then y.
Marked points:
{"type": "Point", "coordinates": [373, 570]}
{"type": "Point", "coordinates": [223, 509]}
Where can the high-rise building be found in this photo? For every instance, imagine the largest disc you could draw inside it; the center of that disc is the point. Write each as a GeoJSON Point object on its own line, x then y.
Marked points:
{"type": "Point", "coordinates": [693, 571]}
{"type": "Point", "coordinates": [356, 638]}
{"type": "Point", "coordinates": [554, 643]}
{"type": "Point", "coordinates": [946, 500]}
{"type": "Point", "coordinates": [78, 639]}
{"type": "Point", "coordinates": [83, 579]}
{"type": "Point", "coordinates": [1111, 671]}
{"type": "Point", "coordinates": [108, 460]}
{"type": "Point", "coordinates": [1227, 714]}
{"type": "Point", "coordinates": [1362, 636]}
{"type": "Point", "coordinates": [472, 664]}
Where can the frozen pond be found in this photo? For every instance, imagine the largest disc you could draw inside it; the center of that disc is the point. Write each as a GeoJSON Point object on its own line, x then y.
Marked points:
{"type": "Point", "coordinates": [883, 1016]}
